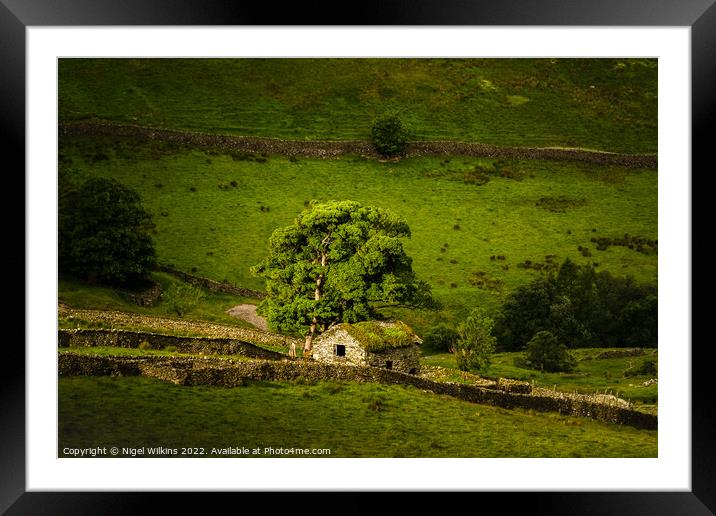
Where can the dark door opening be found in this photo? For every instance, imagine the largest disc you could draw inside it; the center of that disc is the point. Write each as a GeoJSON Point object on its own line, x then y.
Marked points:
{"type": "Point", "coordinates": [340, 350]}
{"type": "Point", "coordinates": [389, 364]}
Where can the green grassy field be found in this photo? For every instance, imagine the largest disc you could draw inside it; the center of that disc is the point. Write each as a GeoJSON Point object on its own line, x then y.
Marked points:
{"type": "Point", "coordinates": [108, 351]}
{"type": "Point", "coordinates": [352, 420]}
{"type": "Point", "coordinates": [607, 104]}
{"type": "Point", "coordinates": [591, 374]}
{"type": "Point", "coordinates": [207, 225]}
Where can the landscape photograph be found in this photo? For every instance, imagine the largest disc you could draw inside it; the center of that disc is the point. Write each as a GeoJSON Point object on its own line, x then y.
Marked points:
{"type": "Point", "coordinates": [357, 257]}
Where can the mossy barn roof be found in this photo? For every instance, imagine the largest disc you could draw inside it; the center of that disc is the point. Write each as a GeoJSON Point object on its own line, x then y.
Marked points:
{"type": "Point", "coordinates": [377, 336]}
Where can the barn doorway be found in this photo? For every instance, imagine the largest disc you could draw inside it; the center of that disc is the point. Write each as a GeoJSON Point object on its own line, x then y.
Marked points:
{"type": "Point", "coordinates": [389, 364]}
{"type": "Point", "coordinates": [340, 350]}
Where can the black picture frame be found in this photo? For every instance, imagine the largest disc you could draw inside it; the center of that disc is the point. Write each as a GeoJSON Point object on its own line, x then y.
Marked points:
{"type": "Point", "coordinates": [17, 15]}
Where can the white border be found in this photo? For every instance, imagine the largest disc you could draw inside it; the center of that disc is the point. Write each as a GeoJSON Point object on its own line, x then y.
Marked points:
{"type": "Point", "coordinates": [671, 471]}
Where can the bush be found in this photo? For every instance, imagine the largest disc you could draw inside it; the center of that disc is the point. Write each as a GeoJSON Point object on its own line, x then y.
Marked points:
{"type": "Point", "coordinates": [181, 298]}
{"type": "Point", "coordinates": [646, 368]}
{"type": "Point", "coordinates": [389, 135]}
{"type": "Point", "coordinates": [475, 344]}
{"type": "Point", "coordinates": [441, 338]}
{"type": "Point", "coordinates": [545, 353]}
{"type": "Point", "coordinates": [104, 233]}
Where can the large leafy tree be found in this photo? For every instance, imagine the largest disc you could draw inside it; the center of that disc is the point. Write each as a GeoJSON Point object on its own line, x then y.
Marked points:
{"type": "Point", "coordinates": [104, 233]}
{"type": "Point", "coordinates": [332, 263]}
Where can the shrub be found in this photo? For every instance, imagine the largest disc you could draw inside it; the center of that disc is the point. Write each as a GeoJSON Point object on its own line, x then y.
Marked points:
{"type": "Point", "coordinates": [441, 338]}
{"type": "Point", "coordinates": [475, 344]}
{"type": "Point", "coordinates": [389, 135]}
{"type": "Point", "coordinates": [170, 349]}
{"type": "Point", "coordinates": [545, 353]}
{"type": "Point", "coordinates": [182, 297]}
{"type": "Point", "coordinates": [646, 368]}
{"type": "Point", "coordinates": [144, 345]}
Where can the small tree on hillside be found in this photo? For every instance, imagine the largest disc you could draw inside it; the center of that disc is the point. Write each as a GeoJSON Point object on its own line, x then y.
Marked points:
{"type": "Point", "coordinates": [389, 135]}
{"type": "Point", "coordinates": [332, 263]}
{"type": "Point", "coordinates": [545, 353]}
{"type": "Point", "coordinates": [104, 233]}
{"type": "Point", "coordinates": [476, 343]}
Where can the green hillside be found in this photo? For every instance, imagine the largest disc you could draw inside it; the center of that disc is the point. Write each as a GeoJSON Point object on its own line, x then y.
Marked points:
{"type": "Point", "coordinates": [214, 214]}
{"type": "Point", "coordinates": [607, 104]}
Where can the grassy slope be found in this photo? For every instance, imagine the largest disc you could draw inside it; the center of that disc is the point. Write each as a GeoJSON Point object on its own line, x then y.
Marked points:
{"type": "Point", "coordinates": [353, 420]}
{"type": "Point", "coordinates": [222, 233]}
{"type": "Point", "coordinates": [590, 376]}
{"type": "Point", "coordinates": [212, 307]}
{"type": "Point", "coordinates": [607, 104]}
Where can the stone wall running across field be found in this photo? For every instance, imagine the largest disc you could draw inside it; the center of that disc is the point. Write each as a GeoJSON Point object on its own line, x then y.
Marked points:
{"type": "Point", "coordinates": [188, 371]}
{"type": "Point", "coordinates": [133, 339]}
{"type": "Point", "coordinates": [165, 324]}
{"type": "Point", "coordinates": [214, 286]}
{"type": "Point", "coordinates": [335, 148]}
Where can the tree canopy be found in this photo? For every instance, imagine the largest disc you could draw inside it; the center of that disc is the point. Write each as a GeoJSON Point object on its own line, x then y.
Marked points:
{"type": "Point", "coordinates": [475, 343]}
{"type": "Point", "coordinates": [332, 263]}
{"type": "Point", "coordinates": [581, 308]}
{"type": "Point", "coordinates": [104, 233]}
{"type": "Point", "coordinates": [389, 135]}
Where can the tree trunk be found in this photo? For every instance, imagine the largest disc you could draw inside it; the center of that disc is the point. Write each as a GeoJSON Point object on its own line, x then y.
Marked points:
{"type": "Point", "coordinates": [308, 345]}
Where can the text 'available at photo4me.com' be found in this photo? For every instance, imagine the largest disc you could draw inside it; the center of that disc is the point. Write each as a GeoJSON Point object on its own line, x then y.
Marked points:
{"type": "Point", "coordinates": [163, 451]}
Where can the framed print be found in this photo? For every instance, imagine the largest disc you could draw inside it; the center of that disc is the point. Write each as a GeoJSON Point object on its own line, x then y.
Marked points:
{"type": "Point", "coordinates": [422, 247]}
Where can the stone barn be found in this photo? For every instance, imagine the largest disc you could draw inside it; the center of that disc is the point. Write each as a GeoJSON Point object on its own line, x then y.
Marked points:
{"type": "Point", "coordinates": [388, 345]}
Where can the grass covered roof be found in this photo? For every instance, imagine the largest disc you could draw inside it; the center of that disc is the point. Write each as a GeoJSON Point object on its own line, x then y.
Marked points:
{"type": "Point", "coordinates": [377, 336]}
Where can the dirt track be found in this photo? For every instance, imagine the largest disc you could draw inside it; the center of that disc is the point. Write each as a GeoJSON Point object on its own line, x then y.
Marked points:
{"type": "Point", "coordinates": [248, 314]}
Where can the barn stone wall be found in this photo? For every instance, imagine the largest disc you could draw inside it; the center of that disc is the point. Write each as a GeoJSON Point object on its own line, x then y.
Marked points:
{"type": "Point", "coordinates": [405, 360]}
{"type": "Point", "coordinates": [324, 349]}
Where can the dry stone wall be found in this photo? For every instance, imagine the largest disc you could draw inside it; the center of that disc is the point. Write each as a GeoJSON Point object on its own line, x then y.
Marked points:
{"type": "Point", "coordinates": [132, 339]}
{"type": "Point", "coordinates": [215, 372]}
{"type": "Point", "coordinates": [164, 324]}
{"type": "Point", "coordinates": [332, 149]}
{"type": "Point", "coordinates": [148, 297]}
{"type": "Point", "coordinates": [214, 286]}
